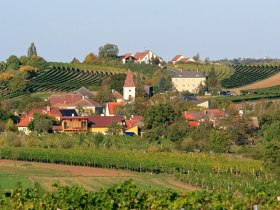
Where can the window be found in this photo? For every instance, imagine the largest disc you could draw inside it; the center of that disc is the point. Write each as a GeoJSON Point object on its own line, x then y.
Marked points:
{"type": "Point", "coordinates": [24, 130]}
{"type": "Point", "coordinates": [193, 85]}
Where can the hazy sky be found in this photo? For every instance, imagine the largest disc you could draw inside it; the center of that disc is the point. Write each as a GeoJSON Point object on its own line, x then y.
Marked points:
{"type": "Point", "coordinates": [64, 29]}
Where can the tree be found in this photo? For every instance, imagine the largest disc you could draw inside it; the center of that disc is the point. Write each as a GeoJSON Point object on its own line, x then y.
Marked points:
{"type": "Point", "coordinates": [90, 58]}
{"type": "Point", "coordinates": [161, 85]}
{"type": "Point", "coordinates": [31, 51]}
{"type": "Point", "coordinates": [196, 57]}
{"type": "Point", "coordinates": [108, 51]}
{"type": "Point", "coordinates": [13, 62]}
{"type": "Point", "coordinates": [157, 115]}
{"type": "Point", "coordinates": [41, 123]}
{"type": "Point", "coordinates": [272, 131]}
{"type": "Point", "coordinates": [114, 128]}
{"type": "Point", "coordinates": [117, 81]}
{"type": "Point", "coordinates": [75, 61]}
{"type": "Point", "coordinates": [212, 82]}
{"type": "Point", "coordinates": [219, 140]}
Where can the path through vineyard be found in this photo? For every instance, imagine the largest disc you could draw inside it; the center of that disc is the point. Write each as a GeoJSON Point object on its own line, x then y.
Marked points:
{"type": "Point", "coordinates": [269, 82]}
{"type": "Point", "coordinates": [91, 178]}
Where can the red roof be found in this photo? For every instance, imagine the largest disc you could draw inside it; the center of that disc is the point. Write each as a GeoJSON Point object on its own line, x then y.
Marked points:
{"type": "Point", "coordinates": [185, 60]}
{"type": "Point", "coordinates": [127, 55]}
{"type": "Point", "coordinates": [214, 113]}
{"type": "Point", "coordinates": [103, 121]}
{"type": "Point", "coordinates": [129, 80]}
{"type": "Point", "coordinates": [134, 121]}
{"type": "Point", "coordinates": [71, 100]}
{"type": "Point", "coordinates": [193, 123]}
{"type": "Point", "coordinates": [176, 58]}
{"type": "Point", "coordinates": [51, 112]}
{"type": "Point", "coordinates": [141, 55]}
{"type": "Point", "coordinates": [194, 115]}
{"type": "Point", "coordinates": [113, 106]}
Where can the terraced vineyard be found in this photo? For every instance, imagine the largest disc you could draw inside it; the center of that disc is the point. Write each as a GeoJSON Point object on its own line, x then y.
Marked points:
{"type": "Point", "coordinates": [65, 79]}
{"type": "Point", "coordinates": [247, 74]}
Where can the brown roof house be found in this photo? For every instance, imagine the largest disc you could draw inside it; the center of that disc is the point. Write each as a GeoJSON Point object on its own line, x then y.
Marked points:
{"type": "Point", "coordinates": [83, 105]}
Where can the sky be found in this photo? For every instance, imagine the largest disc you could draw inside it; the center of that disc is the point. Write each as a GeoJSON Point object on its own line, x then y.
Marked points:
{"type": "Point", "coordinates": [217, 29]}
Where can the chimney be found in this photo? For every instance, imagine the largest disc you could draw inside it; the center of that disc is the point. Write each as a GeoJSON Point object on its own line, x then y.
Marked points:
{"type": "Point", "coordinates": [72, 114]}
{"type": "Point", "coordinates": [48, 108]}
{"type": "Point", "coordinates": [113, 90]}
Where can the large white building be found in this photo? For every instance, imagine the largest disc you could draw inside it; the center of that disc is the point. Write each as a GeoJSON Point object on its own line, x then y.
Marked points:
{"type": "Point", "coordinates": [188, 80]}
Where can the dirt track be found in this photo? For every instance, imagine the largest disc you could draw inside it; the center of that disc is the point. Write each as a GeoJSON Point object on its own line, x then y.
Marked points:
{"type": "Point", "coordinates": [269, 82]}
{"type": "Point", "coordinates": [74, 170]}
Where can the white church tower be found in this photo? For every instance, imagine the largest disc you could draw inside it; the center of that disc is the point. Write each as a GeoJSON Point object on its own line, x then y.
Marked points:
{"type": "Point", "coordinates": [129, 87]}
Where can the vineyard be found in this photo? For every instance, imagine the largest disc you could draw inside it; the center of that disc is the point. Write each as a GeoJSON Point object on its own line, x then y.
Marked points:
{"type": "Point", "coordinates": [65, 79]}
{"type": "Point", "coordinates": [209, 172]}
{"type": "Point", "coordinates": [247, 74]}
{"type": "Point", "coordinates": [127, 195]}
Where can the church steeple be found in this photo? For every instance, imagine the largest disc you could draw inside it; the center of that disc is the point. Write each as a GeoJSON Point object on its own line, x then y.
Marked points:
{"type": "Point", "coordinates": [129, 80]}
{"type": "Point", "coordinates": [129, 87]}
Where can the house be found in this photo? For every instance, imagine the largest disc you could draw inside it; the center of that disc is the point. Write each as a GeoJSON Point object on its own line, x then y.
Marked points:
{"type": "Point", "coordinates": [74, 124]}
{"type": "Point", "coordinates": [212, 115]}
{"type": "Point", "coordinates": [188, 81]}
{"type": "Point", "coordinates": [182, 59]}
{"type": "Point", "coordinates": [74, 101]}
{"type": "Point", "coordinates": [146, 57]}
{"type": "Point", "coordinates": [128, 57]}
{"type": "Point", "coordinates": [84, 93]}
{"type": "Point", "coordinates": [199, 102]}
{"type": "Point", "coordinates": [129, 87]}
{"type": "Point", "coordinates": [111, 108]}
{"type": "Point", "coordinates": [101, 124]}
{"type": "Point", "coordinates": [134, 125]}
{"type": "Point", "coordinates": [117, 96]}
{"type": "Point", "coordinates": [25, 120]}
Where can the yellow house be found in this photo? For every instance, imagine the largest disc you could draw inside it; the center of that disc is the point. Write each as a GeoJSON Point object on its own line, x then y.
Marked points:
{"type": "Point", "coordinates": [188, 81]}
{"type": "Point", "coordinates": [101, 124]}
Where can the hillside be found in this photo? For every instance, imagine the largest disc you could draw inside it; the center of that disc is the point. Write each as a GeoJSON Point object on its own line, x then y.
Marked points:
{"type": "Point", "coordinates": [246, 74]}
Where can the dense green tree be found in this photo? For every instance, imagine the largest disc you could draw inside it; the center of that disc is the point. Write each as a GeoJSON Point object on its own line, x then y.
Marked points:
{"type": "Point", "coordinates": [178, 131]}
{"type": "Point", "coordinates": [219, 140]}
{"type": "Point", "coordinates": [160, 114]}
{"type": "Point", "coordinates": [13, 62]}
{"type": "Point", "coordinates": [271, 132]}
{"type": "Point", "coordinates": [32, 51]}
{"type": "Point", "coordinates": [117, 82]}
{"type": "Point", "coordinates": [212, 82]}
{"type": "Point", "coordinates": [108, 51]}
{"type": "Point", "coordinates": [41, 123]}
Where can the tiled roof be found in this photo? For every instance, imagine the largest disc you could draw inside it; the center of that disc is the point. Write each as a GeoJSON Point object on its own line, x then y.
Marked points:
{"type": "Point", "coordinates": [51, 112]}
{"type": "Point", "coordinates": [129, 80]}
{"type": "Point", "coordinates": [117, 95]}
{"type": "Point", "coordinates": [194, 115]}
{"type": "Point", "coordinates": [103, 121]}
{"type": "Point", "coordinates": [214, 113]}
{"type": "Point", "coordinates": [189, 74]}
{"type": "Point", "coordinates": [176, 58]}
{"type": "Point", "coordinates": [71, 100]}
{"type": "Point", "coordinates": [134, 121]}
{"type": "Point", "coordinates": [141, 55]}
{"type": "Point", "coordinates": [84, 92]}
{"type": "Point", "coordinates": [113, 106]}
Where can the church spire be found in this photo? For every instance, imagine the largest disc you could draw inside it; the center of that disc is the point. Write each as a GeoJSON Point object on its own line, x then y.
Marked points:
{"type": "Point", "coordinates": [129, 79]}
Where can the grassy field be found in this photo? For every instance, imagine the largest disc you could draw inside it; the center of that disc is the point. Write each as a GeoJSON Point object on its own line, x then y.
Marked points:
{"type": "Point", "coordinates": [13, 172]}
